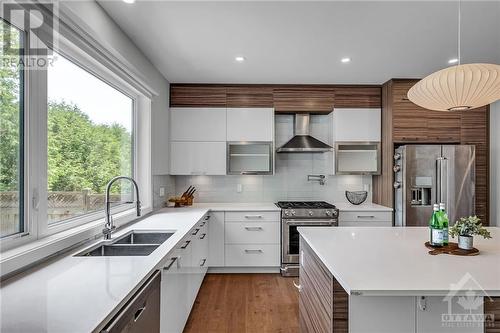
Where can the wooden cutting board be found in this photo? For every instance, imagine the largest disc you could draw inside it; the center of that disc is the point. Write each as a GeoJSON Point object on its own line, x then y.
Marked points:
{"type": "Point", "coordinates": [451, 248]}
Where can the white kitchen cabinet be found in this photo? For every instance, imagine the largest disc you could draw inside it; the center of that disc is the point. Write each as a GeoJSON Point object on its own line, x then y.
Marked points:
{"type": "Point", "coordinates": [357, 125]}
{"type": "Point", "coordinates": [198, 158]}
{"type": "Point", "coordinates": [252, 255]}
{"type": "Point", "coordinates": [198, 124]}
{"type": "Point", "coordinates": [172, 302]}
{"type": "Point", "coordinates": [252, 232]}
{"type": "Point", "coordinates": [250, 124]}
{"type": "Point", "coordinates": [216, 239]}
{"type": "Point", "coordinates": [365, 218]}
{"type": "Point", "coordinates": [432, 310]}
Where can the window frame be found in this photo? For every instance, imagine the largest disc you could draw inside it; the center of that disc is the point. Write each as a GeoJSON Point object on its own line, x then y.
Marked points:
{"type": "Point", "coordinates": [71, 53]}
{"type": "Point", "coordinates": [23, 146]}
{"type": "Point", "coordinates": [36, 226]}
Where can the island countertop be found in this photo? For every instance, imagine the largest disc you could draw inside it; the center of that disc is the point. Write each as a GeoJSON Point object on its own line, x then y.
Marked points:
{"type": "Point", "coordinates": [389, 261]}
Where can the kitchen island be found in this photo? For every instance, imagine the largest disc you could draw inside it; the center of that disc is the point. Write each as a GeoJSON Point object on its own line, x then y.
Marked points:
{"type": "Point", "coordinates": [383, 280]}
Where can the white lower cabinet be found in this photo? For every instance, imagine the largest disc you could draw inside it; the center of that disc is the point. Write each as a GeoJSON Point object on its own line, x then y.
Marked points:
{"type": "Point", "coordinates": [252, 255]}
{"type": "Point", "coordinates": [364, 218]}
{"type": "Point", "coordinates": [197, 158]}
{"type": "Point", "coordinates": [216, 240]}
{"type": "Point", "coordinates": [182, 275]}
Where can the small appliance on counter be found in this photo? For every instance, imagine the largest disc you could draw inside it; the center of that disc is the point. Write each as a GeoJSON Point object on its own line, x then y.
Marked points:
{"type": "Point", "coordinates": [186, 199]}
{"type": "Point", "coordinates": [296, 214]}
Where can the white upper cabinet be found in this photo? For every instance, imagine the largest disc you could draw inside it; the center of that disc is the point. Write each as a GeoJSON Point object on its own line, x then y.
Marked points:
{"type": "Point", "coordinates": [198, 158]}
{"type": "Point", "coordinates": [357, 125]}
{"type": "Point", "coordinates": [198, 124]}
{"type": "Point", "coordinates": [250, 124]}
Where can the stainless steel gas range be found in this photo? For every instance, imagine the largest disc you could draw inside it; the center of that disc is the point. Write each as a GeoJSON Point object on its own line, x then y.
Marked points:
{"type": "Point", "coordinates": [296, 214]}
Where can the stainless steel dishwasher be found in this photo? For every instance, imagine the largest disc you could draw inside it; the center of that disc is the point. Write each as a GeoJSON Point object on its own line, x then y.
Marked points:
{"type": "Point", "coordinates": [142, 313]}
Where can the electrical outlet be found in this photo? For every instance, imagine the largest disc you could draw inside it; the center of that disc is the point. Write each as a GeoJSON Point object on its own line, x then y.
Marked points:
{"type": "Point", "coordinates": [162, 191]}
{"type": "Point", "coordinates": [239, 188]}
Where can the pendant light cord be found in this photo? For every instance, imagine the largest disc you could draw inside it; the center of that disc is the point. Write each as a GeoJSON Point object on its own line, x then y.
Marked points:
{"type": "Point", "coordinates": [459, 30]}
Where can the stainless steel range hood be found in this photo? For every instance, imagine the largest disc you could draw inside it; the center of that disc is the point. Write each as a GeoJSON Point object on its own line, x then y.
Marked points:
{"type": "Point", "coordinates": [302, 142]}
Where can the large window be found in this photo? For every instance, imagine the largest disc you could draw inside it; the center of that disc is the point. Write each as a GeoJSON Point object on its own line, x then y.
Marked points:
{"type": "Point", "coordinates": [11, 132]}
{"type": "Point", "coordinates": [90, 141]}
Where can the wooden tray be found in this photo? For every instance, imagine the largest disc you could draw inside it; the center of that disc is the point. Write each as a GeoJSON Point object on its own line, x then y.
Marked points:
{"type": "Point", "coordinates": [451, 248]}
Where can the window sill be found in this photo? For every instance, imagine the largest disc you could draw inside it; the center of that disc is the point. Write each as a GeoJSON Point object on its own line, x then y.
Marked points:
{"type": "Point", "coordinates": [25, 256]}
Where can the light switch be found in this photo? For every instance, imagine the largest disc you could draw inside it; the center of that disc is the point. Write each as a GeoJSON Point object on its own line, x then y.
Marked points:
{"type": "Point", "coordinates": [239, 188]}
{"type": "Point", "coordinates": [162, 191]}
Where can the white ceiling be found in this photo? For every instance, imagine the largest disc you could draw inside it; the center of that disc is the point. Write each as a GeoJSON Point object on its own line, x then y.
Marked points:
{"type": "Point", "coordinates": [303, 42]}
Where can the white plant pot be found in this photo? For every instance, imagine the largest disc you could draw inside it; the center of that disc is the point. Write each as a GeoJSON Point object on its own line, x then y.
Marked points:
{"type": "Point", "coordinates": [466, 242]}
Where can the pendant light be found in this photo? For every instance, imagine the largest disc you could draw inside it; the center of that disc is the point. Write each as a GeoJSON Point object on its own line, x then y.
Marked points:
{"type": "Point", "coordinates": [460, 87]}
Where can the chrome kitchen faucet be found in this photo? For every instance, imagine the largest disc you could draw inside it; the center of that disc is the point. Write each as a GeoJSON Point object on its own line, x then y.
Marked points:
{"type": "Point", "coordinates": [108, 226]}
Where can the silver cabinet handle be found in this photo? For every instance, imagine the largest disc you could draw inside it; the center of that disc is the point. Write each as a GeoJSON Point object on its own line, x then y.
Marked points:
{"type": "Point", "coordinates": [202, 224]}
{"type": "Point", "coordinates": [253, 228]}
{"type": "Point", "coordinates": [422, 303]}
{"type": "Point", "coordinates": [366, 216]}
{"type": "Point", "coordinates": [185, 245]}
{"type": "Point", "coordinates": [203, 236]}
{"type": "Point", "coordinates": [172, 260]}
{"type": "Point", "coordinates": [207, 217]}
{"type": "Point", "coordinates": [138, 313]}
{"type": "Point", "coordinates": [202, 262]}
{"type": "Point", "coordinates": [298, 286]}
{"type": "Point", "coordinates": [253, 251]}
{"type": "Point", "coordinates": [253, 216]}
{"type": "Point", "coordinates": [195, 232]}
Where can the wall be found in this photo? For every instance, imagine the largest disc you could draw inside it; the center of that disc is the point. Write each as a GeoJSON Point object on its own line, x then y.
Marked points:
{"type": "Point", "coordinates": [96, 22]}
{"type": "Point", "coordinates": [290, 179]}
{"type": "Point", "coordinates": [495, 164]}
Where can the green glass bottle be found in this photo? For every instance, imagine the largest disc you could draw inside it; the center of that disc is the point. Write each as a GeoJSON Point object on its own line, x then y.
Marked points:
{"type": "Point", "coordinates": [444, 222]}
{"type": "Point", "coordinates": [436, 231]}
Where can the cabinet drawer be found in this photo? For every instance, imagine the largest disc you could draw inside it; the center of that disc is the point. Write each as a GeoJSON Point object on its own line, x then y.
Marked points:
{"type": "Point", "coordinates": [365, 216]}
{"type": "Point", "coordinates": [252, 216]}
{"type": "Point", "coordinates": [255, 255]}
{"type": "Point", "coordinates": [252, 233]}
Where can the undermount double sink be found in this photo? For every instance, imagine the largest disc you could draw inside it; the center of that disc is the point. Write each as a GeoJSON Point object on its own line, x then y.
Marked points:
{"type": "Point", "coordinates": [133, 243]}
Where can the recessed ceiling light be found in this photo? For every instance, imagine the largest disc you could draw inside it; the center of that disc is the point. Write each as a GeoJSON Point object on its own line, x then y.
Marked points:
{"type": "Point", "coordinates": [345, 60]}
{"type": "Point", "coordinates": [453, 61]}
{"type": "Point", "coordinates": [239, 58]}
{"type": "Point", "coordinates": [129, 1]}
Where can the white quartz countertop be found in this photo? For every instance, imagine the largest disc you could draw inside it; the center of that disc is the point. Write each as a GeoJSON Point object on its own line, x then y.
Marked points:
{"type": "Point", "coordinates": [368, 207]}
{"type": "Point", "coordinates": [389, 261]}
{"type": "Point", "coordinates": [78, 294]}
{"type": "Point", "coordinates": [238, 206]}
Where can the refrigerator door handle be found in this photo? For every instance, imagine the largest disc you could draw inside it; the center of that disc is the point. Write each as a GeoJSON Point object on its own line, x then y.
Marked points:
{"type": "Point", "coordinates": [442, 180]}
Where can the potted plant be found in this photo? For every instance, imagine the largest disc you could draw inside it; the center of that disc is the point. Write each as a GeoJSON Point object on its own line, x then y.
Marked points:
{"type": "Point", "coordinates": [465, 229]}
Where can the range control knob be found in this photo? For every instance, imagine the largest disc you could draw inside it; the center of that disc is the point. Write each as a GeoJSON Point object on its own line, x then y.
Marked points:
{"type": "Point", "coordinates": [397, 185]}
{"type": "Point", "coordinates": [328, 213]}
{"type": "Point", "coordinates": [293, 212]}
{"type": "Point", "coordinates": [397, 168]}
{"type": "Point", "coordinates": [310, 213]}
{"type": "Point", "coordinates": [397, 156]}
{"type": "Point", "coordinates": [287, 213]}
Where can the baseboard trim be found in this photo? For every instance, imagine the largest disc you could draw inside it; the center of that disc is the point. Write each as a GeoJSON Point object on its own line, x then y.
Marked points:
{"type": "Point", "coordinates": [248, 270]}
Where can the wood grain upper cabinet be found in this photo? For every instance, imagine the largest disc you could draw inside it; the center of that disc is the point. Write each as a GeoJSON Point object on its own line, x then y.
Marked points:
{"type": "Point", "coordinates": [249, 97]}
{"type": "Point", "coordinates": [198, 124]}
{"type": "Point", "coordinates": [296, 100]}
{"type": "Point", "coordinates": [197, 96]}
{"type": "Point", "coordinates": [357, 124]}
{"type": "Point", "coordinates": [411, 123]}
{"type": "Point", "coordinates": [250, 124]}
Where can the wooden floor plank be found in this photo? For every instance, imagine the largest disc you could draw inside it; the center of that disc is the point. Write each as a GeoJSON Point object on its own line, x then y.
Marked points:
{"type": "Point", "coordinates": [245, 303]}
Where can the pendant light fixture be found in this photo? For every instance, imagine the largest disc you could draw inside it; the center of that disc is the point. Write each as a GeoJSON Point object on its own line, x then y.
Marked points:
{"type": "Point", "coordinates": [460, 87]}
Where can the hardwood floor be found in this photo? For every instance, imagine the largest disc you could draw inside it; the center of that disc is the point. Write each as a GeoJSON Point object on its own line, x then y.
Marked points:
{"type": "Point", "coordinates": [245, 303]}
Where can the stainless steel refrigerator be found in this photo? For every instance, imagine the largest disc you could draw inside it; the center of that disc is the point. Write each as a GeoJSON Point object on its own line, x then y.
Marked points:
{"type": "Point", "coordinates": [429, 174]}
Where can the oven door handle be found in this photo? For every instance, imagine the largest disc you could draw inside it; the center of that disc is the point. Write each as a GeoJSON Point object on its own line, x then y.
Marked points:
{"type": "Point", "coordinates": [313, 222]}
